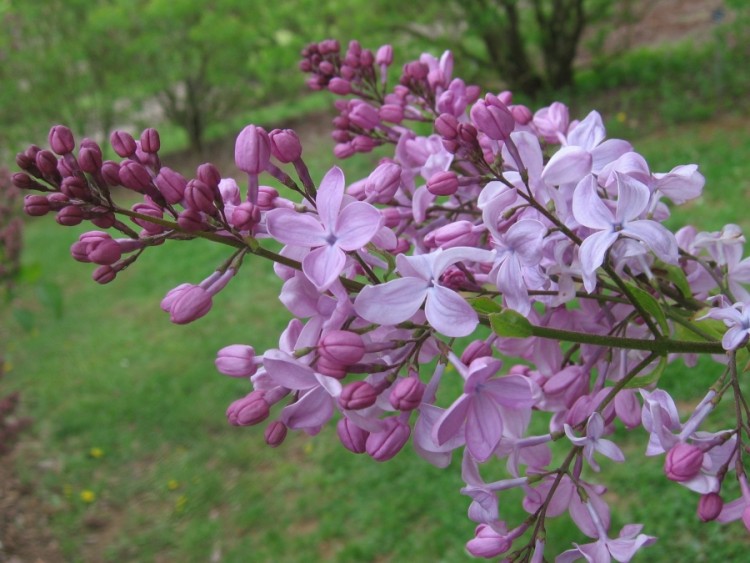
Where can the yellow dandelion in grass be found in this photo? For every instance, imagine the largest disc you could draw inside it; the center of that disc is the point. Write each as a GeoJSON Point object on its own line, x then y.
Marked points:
{"type": "Point", "coordinates": [173, 484]}
{"type": "Point", "coordinates": [179, 504]}
{"type": "Point", "coordinates": [96, 453]}
{"type": "Point", "coordinates": [621, 117]}
{"type": "Point", "coordinates": [88, 496]}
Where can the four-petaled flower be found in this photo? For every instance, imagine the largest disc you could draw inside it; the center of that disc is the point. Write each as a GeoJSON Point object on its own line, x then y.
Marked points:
{"type": "Point", "coordinates": [339, 227]}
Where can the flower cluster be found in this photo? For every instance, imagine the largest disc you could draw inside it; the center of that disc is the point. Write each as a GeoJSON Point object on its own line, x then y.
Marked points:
{"type": "Point", "coordinates": [505, 233]}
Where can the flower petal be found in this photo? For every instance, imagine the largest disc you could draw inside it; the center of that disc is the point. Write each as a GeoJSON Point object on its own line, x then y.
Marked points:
{"type": "Point", "coordinates": [588, 208]}
{"type": "Point", "coordinates": [632, 198]}
{"type": "Point", "coordinates": [484, 427]}
{"type": "Point", "coordinates": [569, 164]}
{"type": "Point", "coordinates": [591, 254]}
{"type": "Point", "coordinates": [323, 265]}
{"type": "Point", "coordinates": [448, 313]}
{"type": "Point", "coordinates": [299, 229]}
{"type": "Point", "coordinates": [330, 194]}
{"type": "Point", "coordinates": [393, 302]}
{"type": "Point", "coordinates": [356, 225]}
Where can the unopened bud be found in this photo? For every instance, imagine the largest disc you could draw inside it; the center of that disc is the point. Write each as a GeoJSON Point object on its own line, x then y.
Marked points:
{"type": "Point", "coordinates": [285, 145]}
{"type": "Point", "coordinates": [709, 506]}
{"type": "Point", "coordinates": [358, 395]}
{"type": "Point", "coordinates": [384, 445]}
{"type": "Point", "coordinates": [352, 436]}
{"type": "Point", "coordinates": [275, 433]}
{"type": "Point", "coordinates": [237, 360]}
{"type": "Point", "coordinates": [150, 141]}
{"type": "Point", "coordinates": [342, 346]}
{"type": "Point", "coordinates": [61, 140]}
{"type": "Point", "coordinates": [407, 393]}
{"type": "Point", "coordinates": [443, 183]}
{"type": "Point", "coordinates": [123, 143]}
{"type": "Point", "coordinates": [683, 462]}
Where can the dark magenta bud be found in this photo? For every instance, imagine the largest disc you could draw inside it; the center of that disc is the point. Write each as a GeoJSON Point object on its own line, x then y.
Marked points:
{"type": "Point", "coordinates": [61, 140]}
{"type": "Point", "coordinates": [407, 393]}
{"type": "Point", "coordinates": [25, 161]}
{"type": "Point", "coordinates": [23, 181]}
{"type": "Point", "coordinates": [75, 188]}
{"type": "Point", "coordinates": [366, 58]}
{"type": "Point", "coordinates": [36, 205]}
{"type": "Point", "coordinates": [342, 347]}
{"type": "Point", "coordinates": [443, 183]}
{"type": "Point", "coordinates": [104, 218]}
{"type": "Point", "coordinates": [285, 145]}
{"type": "Point", "coordinates": [209, 175]}
{"type": "Point", "coordinates": [111, 172]}
{"type": "Point", "coordinates": [104, 251]}
{"type": "Point", "coordinates": [446, 125]}
{"type": "Point", "coordinates": [384, 55]}
{"type": "Point", "coordinates": [150, 209]}
{"type": "Point", "coordinates": [123, 143]}
{"type": "Point", "coordinates": [150, 141]}
{"type": "Point", "coordinates": [683, 462]}
{"type": "Point", "coordinates": [329, 368]}
{"type": "Point", "coordinates": [358, 395]}
{"type": "Point", "coordinates": [362, 143]}
{"type": "Point", "coordinates": [104, 274]}
{"type": "Point", "coordinates": [171, 185]}
{"type": "Point", "coordinates": [384, 445]}
{"type": "Point", "coordinates": [135, 176]}
{"type": "Point", "coordinates": [251, 409]}
{"type": "Point", "coordinates": [275, 433]}
{"type": "Point", "coordinates": [191, 221]}
{"type": "Point", "coordinates": [69, 216]}
{"type": "Point", "coordinates": [200, 196]}
{"type": "Point", "coordinates": [710, 506]}
{"type": "Point", "coordinates": [352, 436]}
{"type": "Point", "coordinates": [392, 113]}
{"type": "Point", "coordinates": [90, 159]}
{"type": "Point", "coordinates": [245, 216]}
{"type": "Point", "coordinates": [521, 114]}
{"type": "Point", "coordinates": [364, 115]}
{"type": "Point", "coordinates": [266, 197]}
{"type": "Point", "coordinates": [493, 118]}
{"type": "Point", "coordinates": [46, 162]}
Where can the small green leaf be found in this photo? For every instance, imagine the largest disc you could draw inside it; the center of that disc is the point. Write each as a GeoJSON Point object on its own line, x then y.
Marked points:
{"type": "Point", "coordinates": [678, 278]}
{"type": "Point", "coordinates": [649, 303]}
{"type": "Point", "coordinates": [650, 379]}
{"type": "Point", "coordinates": [511, 324]}
{"type": "Point", "coordinates": [485, 305]}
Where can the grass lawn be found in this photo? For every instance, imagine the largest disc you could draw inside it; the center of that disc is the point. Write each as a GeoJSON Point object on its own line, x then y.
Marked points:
{"type": "Point", "coordinates": [131, 448]}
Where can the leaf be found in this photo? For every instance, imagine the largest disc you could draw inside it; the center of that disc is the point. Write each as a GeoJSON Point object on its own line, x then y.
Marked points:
{"type": "Point", "coordinates": [649, 379]}
{"type": "Point", "coordinates": [678, 278]}
{"type": "Point", "coordinates": [485, 306]}
{"type": "Point", "coordinates": [649, 303]}
{"type": "Point", "coordinates": [511, 324]}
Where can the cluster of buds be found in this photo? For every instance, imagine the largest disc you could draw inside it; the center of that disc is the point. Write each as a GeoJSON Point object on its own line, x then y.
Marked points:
{"type": "Point", "coordinates": [504, 233]}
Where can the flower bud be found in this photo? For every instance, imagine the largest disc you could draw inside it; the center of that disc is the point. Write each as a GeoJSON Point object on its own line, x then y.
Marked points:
{"type": "Point", "coordinates": [245, 216]}
{"type": "Point", "coordinates": [275, 433]}
{"type": "Point", "coordinates": [285, 145]}
{"type": "Point", "coordinates": [122, 143]}
{"type": "Point", "coordinates": [171, 185]}
{"type": "Point", "coordinates": [36, 205]}
{"type": "Point", "coordinates": [237, 360]}
{"type": "Point", "coordinates": [383, 183]}
{"type": "Point", "coordinates": [683, 462]}
{"type": "Point", "coordinates": [74, 188]}
{"type": "Point", "coordinates": [150, 142]}
{"type": "Point", "coordinates": [392, 113]}
{"type": "Point", "coordinates": [111, 172]}
{"type": "Point", "coordinates": [407, 393]}
{"type": "Point", "coordinates": [487, 543]}
{"type": "Point", "coordinates": [521, 114]}
{"type": "Point", "coordinates": [443, 183]}
{"type": "Point", "coordinates": [61, 140]}
{"type": "Point", "coordinates": [252, 150]}
{"type": "Point", "coordinates": [458, 233]}
{"type": "Point", "coordinates": [104, 251]}
{"type": "Point", "coordinates": [364, 115]}
{"type": "Point", "coordinates": [358, 395]}
{"type": "Point", "coordinates": [69, 216]}
{"type": "Point", "coordinates": [341, 347]}
{"type": "Point", "coordinates": [384, 55]}
{"type": "Point", "coordinates": [340, 86]}
{"type": "Point", "coordinates": [475, 349]}
{"type": "Point", "coordinates": [363, 143]}
{"type": "Point", "coordinates": [191, 220]}
{"type": "Point", "coordinates": [209, 175]}
{"type": "Point", "coordinates": [104, 274]}
{"type": "Point", "coordinates": [384, 445]}
{"type": "Point", "coordinates": [133, 175]}
{"type": "Point", "coordinates": [251, 409]}
{"type": "Point", "coordinates": [352, 436]}
{"type": "Point", "coordinates": [446, 125]}
{"type": "Point", "coordinates": [330, 368]}
{"type": "Point", "coordinates": [493, 118]}
{"type": "Point", "coordinates": [200, 196]}
{"type": "Point", "coordinates": [46, 162]}
{"type": "Point", "coordinates": [709, 507]}
{"type": "Point", "coordinates": [266, 197]}
{"type": "Point", "coordinates": [186, 303]}
{"type": "Point", "coordinates": [90, 159]}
